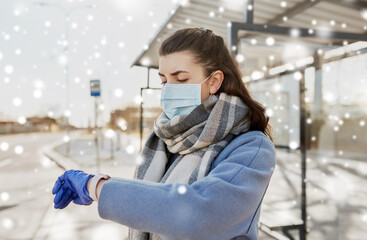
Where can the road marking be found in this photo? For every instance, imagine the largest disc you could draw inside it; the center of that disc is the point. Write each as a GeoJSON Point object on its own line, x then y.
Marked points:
{"type": "Point", "coordinates": [6, 162]}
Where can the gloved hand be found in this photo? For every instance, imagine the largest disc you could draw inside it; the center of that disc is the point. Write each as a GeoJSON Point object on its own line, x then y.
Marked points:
{"type": "Point", "coordinates": [72, 186]}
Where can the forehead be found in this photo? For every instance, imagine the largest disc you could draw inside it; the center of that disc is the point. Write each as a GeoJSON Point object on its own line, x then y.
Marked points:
{"type": "Point", "coordinates": [183, 60]}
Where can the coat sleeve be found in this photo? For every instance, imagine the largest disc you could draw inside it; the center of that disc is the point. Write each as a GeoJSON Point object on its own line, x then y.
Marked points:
{"type": "Point", "coordinates": [219, 206]}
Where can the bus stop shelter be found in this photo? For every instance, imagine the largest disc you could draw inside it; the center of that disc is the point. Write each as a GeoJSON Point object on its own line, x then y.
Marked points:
{"type": "Point", "coordinates": [271, 40]}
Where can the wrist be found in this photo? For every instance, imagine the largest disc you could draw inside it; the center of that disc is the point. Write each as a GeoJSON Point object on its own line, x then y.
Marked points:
{"type": "Point", "coordinates": [95, 184]}
{"type": "Point", "coordinates": [99, 186]}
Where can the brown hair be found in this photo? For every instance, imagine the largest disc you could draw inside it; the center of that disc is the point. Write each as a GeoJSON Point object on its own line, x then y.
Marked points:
{"type": "Point", "coordinates": [210, 51]}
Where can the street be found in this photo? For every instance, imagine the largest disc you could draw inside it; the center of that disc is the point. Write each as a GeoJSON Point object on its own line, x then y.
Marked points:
{"type": "Point", "coordinates": [26, 209]}
{"type": "Point", "coordinates": [26, 181]}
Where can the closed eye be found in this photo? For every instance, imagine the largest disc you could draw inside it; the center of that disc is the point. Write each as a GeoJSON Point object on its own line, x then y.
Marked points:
{"type": "Point", "coordinates": [183, 80]}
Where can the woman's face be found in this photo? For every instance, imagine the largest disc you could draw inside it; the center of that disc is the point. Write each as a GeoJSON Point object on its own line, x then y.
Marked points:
{"type": "Point", "coordinates": [180, 68]}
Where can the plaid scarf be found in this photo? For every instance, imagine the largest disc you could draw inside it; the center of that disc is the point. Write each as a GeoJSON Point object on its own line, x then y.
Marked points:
{"type": "Point", "coordinates": [198, 137]}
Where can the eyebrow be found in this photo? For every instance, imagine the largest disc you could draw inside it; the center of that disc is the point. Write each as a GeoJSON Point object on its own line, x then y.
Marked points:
{"type": "Point", "coordinates": [174, 73]}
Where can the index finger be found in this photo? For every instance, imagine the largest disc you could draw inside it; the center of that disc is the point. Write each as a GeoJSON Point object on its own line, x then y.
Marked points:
{"type": "Point", "coordinates": [60, 180]}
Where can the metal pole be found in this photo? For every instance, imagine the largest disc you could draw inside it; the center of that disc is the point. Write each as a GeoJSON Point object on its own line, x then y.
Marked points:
{"type": "Point", "coordinates": [232, 30]}
{"type": "Point", "coordinates": [248, 11]}
{"type": "Point", "coordinates": [118, 140]}
{"type": "Point", "coordinates": [112, 148]}
{"type": "Point", "coordinates": [148, 77]}
{"type": "Point", "coordinates": [96, 131]}
{"type": "Point", "coordinates": [141, 119]}
{"type": "Point", "coordinates": [232, 39]}
{"type": "Point", "coordinates": [141, 110]}
{"type": "Point", "coordinates": [66, 51]}
{"type": "Point", "coordinates": [302, 104]}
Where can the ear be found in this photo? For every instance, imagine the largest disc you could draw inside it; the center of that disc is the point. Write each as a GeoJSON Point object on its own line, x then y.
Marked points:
{"type": "Point", "coordinates": [216, 81]}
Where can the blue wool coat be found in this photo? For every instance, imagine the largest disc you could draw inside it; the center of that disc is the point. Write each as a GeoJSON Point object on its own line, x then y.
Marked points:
{"type": "Point", "coordinates": [223, 205]}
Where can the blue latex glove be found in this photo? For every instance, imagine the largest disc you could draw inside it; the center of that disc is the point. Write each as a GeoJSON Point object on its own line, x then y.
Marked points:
{"type": "Point", "coordinates": [72, 186]}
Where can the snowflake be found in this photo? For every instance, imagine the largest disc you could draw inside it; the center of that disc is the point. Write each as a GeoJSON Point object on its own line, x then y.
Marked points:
{"type": "Point", "coordinates": [138, 99]}
{"type": "Point", "coordinates": [6, 37]}
{"type": "Point", "coordinates": [63, 59]}
{"type": "Point", "coordinates": [297, 75]}
{"type": "Point", "coordinates": [121, 45]}
{"type": "Point", "coordinates": [270, 41]}
{"type": "Point", "coordinates": [295, 32]}
{"type": "Point", "coordinates": [118, 92]}
{"type": "Point", "coordinates": [18, 149]}
{"type": "Point", "coordinates": [109, 133]}
{"type": "Point", "coordinates": [66, 138]}
{"type": "Point", "coordinates": [4, 146]}
{"type": "Point", "coordinates": [182, 189]}
{"type": "Point", "coordinates": [18, 51]}
{"type": "Point", "coordinates": [97, 55]}
{"type": "Point", "coordinates": [240, 58]}
{"type": "Point", "coordinates": [293, 145]}
{"type": "Point", "coordinates": [39, 84]}
{"type": "Point", "coordinates": [9, 69]}
{"type": "Point", "coordinates": [37, 93]}
{"type": "Point", "coordinates": [17, 101]}
{"type": "Point", "coordinates": [130, 149]}
{"type": "Point", "coordinates": [269, 112]}
{"type": "Point", "coordinates": [22, 120]}
{"type": "Point", "coordinates": [67, 113]}
{"type": "Point", "coordinates": [8, 223]}
{"type": "Point", "coordinates": [4, 196]}
{"type": "Point", "coordinates": [47, 24]}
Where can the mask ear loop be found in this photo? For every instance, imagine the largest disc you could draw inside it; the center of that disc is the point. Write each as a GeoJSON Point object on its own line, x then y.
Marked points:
{"type": "Point", "coordinates": [210, 95]}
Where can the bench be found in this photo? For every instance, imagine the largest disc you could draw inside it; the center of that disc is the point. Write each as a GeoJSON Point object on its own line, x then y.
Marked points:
{"type": "Point", "coordinates": [272, 221]}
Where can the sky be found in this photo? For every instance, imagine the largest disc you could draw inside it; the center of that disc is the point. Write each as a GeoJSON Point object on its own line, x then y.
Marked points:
{"type": "Point", "coordinates": [103, 43]}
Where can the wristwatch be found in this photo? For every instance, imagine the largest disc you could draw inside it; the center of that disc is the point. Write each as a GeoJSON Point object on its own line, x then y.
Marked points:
{"type": "Point", "coordinates": [93, 184]}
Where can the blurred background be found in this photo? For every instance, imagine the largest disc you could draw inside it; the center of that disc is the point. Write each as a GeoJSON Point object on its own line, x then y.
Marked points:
{"type": "Point", "coordinates": [79, 88]}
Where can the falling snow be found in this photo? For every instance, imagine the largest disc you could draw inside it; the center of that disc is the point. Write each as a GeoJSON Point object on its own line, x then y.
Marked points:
{"type": "Point", "coordinates": [18, 149]}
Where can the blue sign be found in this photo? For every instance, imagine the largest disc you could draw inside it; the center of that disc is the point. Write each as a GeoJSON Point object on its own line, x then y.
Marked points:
{"type": "Point", "coordinates": [95, 88]}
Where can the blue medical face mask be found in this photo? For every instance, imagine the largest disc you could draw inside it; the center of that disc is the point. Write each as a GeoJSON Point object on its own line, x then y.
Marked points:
{"type": "Point", "coordinates": [180, 99]}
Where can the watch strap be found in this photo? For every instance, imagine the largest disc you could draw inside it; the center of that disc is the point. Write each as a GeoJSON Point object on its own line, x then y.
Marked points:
{"type": "Point", "coordinates": [93, 185]}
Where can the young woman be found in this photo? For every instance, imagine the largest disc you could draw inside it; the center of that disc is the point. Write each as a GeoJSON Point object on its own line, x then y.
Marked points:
{"type": "Point", "coordinates": [207, 162]}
